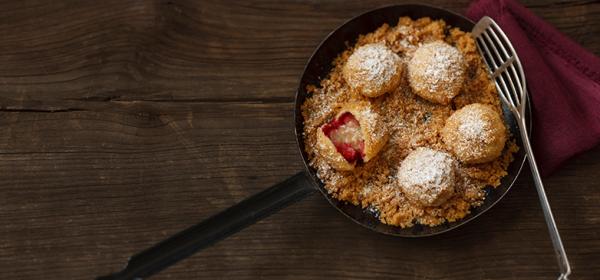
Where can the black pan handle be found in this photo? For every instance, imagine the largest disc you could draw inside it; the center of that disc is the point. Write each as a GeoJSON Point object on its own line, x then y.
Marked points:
{"type": "Point", "coordinates": [215, 228]}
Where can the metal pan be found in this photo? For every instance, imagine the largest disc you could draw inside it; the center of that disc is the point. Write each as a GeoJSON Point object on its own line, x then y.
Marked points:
{"type": "Point", "coordinates": [306, 182]}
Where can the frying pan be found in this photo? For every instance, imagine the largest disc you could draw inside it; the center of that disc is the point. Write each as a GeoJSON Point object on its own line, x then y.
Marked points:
{"type": "Point", "coordinates": [260, 205]}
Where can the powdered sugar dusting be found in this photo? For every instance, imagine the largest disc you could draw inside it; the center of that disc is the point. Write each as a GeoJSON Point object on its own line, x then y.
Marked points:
{"type": "Point", "coordinates": [371, 67]}
{"type": "Point", "coordinates": [369, 116]}
{"type": "Point", "coordinates": [425, 167]}
{"type": "Point", "coordinates": [473, 126]}
{"type": "Point", "coordinates": [436, 68]}
{"type": "Point", "coordinates": [427, 175]}
{"type": "Point", "coordinates": [378, 63]}
{"type": "Point", "coordinates": [475, 133]}
{"type": "Point", "coordinates": [441, 68]}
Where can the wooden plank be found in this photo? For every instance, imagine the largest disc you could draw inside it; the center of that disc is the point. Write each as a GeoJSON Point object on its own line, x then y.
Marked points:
{"type": "Point", "coordinates": [188, 50]}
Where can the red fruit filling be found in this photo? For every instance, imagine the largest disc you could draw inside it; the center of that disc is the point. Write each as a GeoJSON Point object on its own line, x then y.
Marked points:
{"type": "Point", "coordinates": [344, 132]}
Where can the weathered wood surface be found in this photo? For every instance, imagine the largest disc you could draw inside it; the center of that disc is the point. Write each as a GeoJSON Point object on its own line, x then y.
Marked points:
{"type": "Point", "coordinates": [126, 121]}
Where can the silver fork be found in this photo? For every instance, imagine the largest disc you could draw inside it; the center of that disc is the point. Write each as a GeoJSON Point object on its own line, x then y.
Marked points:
{"type": "Point", "coordinates": [507, 72]}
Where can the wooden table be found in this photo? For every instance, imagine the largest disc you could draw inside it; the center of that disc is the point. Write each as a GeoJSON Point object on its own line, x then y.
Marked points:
{"type": "Point", "coordinates": [126, 121]}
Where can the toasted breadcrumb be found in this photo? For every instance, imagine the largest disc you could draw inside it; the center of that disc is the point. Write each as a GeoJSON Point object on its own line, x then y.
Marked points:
{"type": "Point", "coordinates": [412, 122]}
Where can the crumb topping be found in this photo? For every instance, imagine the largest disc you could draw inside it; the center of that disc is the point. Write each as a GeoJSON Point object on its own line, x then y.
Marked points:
{"type": "Point", "coordinates": [411, 123]}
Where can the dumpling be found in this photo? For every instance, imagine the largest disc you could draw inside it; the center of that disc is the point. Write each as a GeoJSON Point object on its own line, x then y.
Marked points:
{"type": "Point", "coordinates": [373, 70]}
{"type": "Point", "coordinates": [354, 136]}
{"type": "Point", "coordinates": [475, 133]}
{"type": "Point", "coordinates": [427, 176]}
{"type": "Point", "coordinates": [436, 72]}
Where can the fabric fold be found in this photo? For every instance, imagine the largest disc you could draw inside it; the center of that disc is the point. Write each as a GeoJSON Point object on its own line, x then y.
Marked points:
{"type": "Point", "coordinates": [563, 80]}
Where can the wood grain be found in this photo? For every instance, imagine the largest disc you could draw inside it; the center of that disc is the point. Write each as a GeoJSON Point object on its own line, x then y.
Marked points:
{"type": "Point", "coordinates": [126, 121]}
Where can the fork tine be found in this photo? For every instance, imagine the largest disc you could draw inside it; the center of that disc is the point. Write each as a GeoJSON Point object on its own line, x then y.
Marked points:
{"type": "Point", "coordinates": [501, 59]}
{"type": "Point", "coordinates": [521, 78]}
{"type": "Point", "coordinates": [487, 54]}
{"type": "Point", "coordinates": [492, 65]}
{"type": "Point", "coordinates": [481, 26]}
{"type": "Point", "coordinates": [499, 43]}
{"type": "Point", "coordinates": [498, 67]}
{"type": "Point", "coordinates": [504, 89]}
{"type": "Point", "coordinates": [503, 38]}
{"type": "Point", "coordinates": [512, 73]}
{"type": "Point", "coordinates": [512, 90]}
{"type": "Point", "coordinates": [512, 76]}
{"type": "Point", "coordinates": [494, 47]}
{"type": "Point", "coordinates": [502, 96]}
{"type": "Point", "coordinates": [504, 45]}
{"type": "Point", "coordinates": [504, 62]}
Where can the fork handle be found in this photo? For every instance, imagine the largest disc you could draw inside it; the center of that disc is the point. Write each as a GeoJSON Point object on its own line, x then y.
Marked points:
{"type": "Point", "coordinates": [559, 249]}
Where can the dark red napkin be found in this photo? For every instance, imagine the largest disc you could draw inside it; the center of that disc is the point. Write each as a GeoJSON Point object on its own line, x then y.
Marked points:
{"type": "Point", "coordinates": [563, 81]}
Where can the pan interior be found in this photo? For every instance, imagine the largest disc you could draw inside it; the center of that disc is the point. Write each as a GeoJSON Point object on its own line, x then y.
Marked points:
{"type": "Point", "coordinates": [319, 66]}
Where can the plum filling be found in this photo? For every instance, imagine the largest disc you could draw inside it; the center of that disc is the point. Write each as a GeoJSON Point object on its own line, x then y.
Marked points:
{"type": "Point", "coordinates": [344, 132]}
